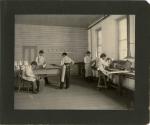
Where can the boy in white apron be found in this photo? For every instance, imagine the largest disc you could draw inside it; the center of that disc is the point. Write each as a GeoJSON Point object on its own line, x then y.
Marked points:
{"type": "Point", "coordinates": [87, 62]}
{"type": "Point", "coordinates": [65, 63]}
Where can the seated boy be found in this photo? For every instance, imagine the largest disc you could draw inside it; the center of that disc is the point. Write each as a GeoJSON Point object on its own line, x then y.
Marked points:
{"type": "Point", "coordinates": [28, 75]}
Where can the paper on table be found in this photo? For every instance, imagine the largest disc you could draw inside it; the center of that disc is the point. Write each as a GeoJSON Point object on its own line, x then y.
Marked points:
{"type": "Point", "coordinates": [117, 72]}
{"type": "Point", "coordinates": [120, 71]}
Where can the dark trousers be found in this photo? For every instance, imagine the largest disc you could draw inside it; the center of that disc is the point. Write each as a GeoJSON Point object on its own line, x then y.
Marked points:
{"type": "Point", "coordinates": [67, 76]}
{"type": "Point", "coordinates": [46, 80]}
{"type": "Point", "coordinates": [102, 81]}
{"type": "Point", "coordinates": [36, 85]}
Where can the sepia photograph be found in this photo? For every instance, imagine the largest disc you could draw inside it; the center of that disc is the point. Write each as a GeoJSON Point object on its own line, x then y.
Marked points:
{"type": "Point", "coordinates": [74, 62]}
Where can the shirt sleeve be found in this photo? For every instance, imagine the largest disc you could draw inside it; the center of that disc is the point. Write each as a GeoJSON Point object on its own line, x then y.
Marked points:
{"type": "Point", "coordinates": [107, 63]}
{"type": "Point", "coordinates": [104, 63]}
{"type": "Point", "coordinates": [29, 72]}
{"type": "Point", "coordinates": [93, 63]}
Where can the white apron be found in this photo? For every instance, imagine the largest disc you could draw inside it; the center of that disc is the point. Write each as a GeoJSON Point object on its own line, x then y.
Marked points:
{"type": "Point", "coordinates": [64, 60]}
{"type": "Point", "coordinates": [87, 62]}
{"type": "Point", "coordinates": [63, 73]}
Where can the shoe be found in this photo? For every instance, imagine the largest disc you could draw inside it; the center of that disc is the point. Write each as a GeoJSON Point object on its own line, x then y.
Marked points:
{"type": "Point", "coordinates": [61, 85]}
{"type": "Point", "coordinates": [47, 83]}
{"type": "Point", "coordinates": [38, 89]}
{"type": "Point", "coordinates": [35, 92]}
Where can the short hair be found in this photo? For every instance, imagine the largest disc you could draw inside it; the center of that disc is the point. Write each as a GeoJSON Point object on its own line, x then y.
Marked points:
{"type": "Point", "coordinates": [102, 55]}
{"type": "Point", "coordinates": [41, 51]}
{"type": "Point", "coordinates": [88, 52]}
{"type": "Point", "coordinates": [108, 59]}
{"type": "Point", "coordinates": [34, 63]}
{"type": "Point", "coordinates": [64, 54]}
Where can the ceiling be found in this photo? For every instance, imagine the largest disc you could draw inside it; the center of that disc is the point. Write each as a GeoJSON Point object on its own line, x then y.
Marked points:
{"type": "Point", "coordinates": [82, 21]}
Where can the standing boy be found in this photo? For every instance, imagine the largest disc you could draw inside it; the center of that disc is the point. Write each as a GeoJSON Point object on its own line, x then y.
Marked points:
{"type": "Point", "coordinates": [87, 63]}
{"type": "Point", "coordinates": [65, 63]}
{"type": "Point", "coordinates": [41, 62]}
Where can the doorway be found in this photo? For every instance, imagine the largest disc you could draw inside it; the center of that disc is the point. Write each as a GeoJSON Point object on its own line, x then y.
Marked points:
{"type": "Point", "coordinates": [29, 53]}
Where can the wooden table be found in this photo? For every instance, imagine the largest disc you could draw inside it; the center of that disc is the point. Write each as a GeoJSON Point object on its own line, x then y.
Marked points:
{"type": "Point", "coordinates": [50, 71]}
{"type": "Point", "coordinates": [122, 74]}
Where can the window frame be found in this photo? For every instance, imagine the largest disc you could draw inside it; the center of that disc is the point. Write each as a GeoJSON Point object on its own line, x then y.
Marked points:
{"type": "Point", "coordinates": [128, 35]}
{"type": "Point", "coordinates": [97, 30]}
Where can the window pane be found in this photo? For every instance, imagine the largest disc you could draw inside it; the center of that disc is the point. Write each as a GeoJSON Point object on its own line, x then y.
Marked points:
{"type": "Point", "coordinates": [122, 55]}
{"type": "Point", "coordinates": [123, 29]}
{"type": "Point", "coordinates": [122, 25]}
{"type": "Point", "coordinates": [122, 49]}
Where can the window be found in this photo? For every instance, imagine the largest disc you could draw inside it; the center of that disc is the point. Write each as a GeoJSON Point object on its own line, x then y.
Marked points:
{"type": "Point", "coordinates": [126, 28]}
{"type": "Point", "coordinates": [123, 44]}
{"type": "Point", "coordinates": [99, 42]}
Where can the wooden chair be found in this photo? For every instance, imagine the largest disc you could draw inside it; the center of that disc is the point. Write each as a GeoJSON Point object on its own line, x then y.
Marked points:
{"type": "Point", "coordinates": [19, 80]}
{"type": "Point", "coordinates": [102, 81]}
{"type": "Point", "coordinates": [23, 83]}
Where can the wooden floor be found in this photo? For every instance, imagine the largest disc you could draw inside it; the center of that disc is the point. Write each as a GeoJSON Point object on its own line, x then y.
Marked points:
{"type": "Point", "coordinates": [80, 95]}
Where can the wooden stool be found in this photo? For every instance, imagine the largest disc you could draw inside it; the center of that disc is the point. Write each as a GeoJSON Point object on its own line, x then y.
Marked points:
{"type": "Point", "coordinates": [23, 83]}
{"type": "Point", "coordinates": [27, 85]}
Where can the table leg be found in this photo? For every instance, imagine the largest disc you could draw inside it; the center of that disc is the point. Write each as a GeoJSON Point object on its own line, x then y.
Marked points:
{"type": "Point", "coordinates": [59, 77]}
{"type": "Point", "coordinates": [120, 84]}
